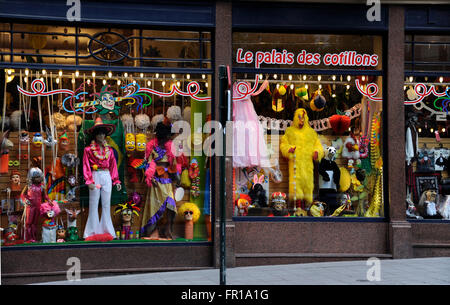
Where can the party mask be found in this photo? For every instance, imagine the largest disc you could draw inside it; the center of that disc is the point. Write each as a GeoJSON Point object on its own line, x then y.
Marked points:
{"type": "Point", "coordinates": [37, 140]}
{"type": "Point", "coordinates": [141, 142]}
{"type": "Point", "coordinates": [130, 142]}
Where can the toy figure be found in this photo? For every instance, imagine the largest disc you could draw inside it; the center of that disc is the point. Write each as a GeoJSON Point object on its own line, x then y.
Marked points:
{"type": "Point", "coordinates": [141, 140]}
{"type": "Point", "coordinates": [427, 203]}
{"type": "Point", "coordinates": [301, 145]}
{"type": "Point", "coordinates": [24, 140]}
{"type": "Point", "coordinates": [50, 141]}
{"type": "Point", "coordinates": [72, 215]}
{"type": "Point", "coordinates": [191, 214]}
{"type": "Point", "coordinates": [278, 204]}
{"type": "Point", "coordinates": [72, 234]}
{"type": "Point", "coordinates": [60, 234]}
{"type": "Point", "coordinates": [317, 208]}
{"type": "Point", "coordinates": [38, 140]}
{"type": "Point", "coordinates": [11, 235]}
{"type": "Point", "coordinates": [126, 211]}
{"type": "Point", "coordinates": [242, 204]}
{"type": "Point", "coordinates": [64, 142]}
{"type": "Point", "coordinates": [160, 208]}
{"type": "Point", "coordinates": [49, 210]}
{"type": "Point", "coordinates": [257, 193]}
{"type": "Point", "coordinates": [34, 197]}
{"type": "Point", "coordinates": [329, 178]}
{"type": "Point", "coordinates": [411, 211]}
{"type": "Point", "coordinates": [100, 173]}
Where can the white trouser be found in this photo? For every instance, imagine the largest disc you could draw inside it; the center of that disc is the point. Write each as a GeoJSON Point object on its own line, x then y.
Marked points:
{"type": "Point", "coordinates": [93, 224]}
{"type": "Point", "coordinates": [49, 235]}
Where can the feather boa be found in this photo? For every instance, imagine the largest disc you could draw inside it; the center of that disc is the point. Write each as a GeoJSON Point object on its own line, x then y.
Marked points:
{"type": "Point", "coordinates": [150, 171]}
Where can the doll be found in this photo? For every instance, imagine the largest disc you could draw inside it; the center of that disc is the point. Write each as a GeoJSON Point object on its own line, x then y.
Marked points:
{"type": "Point", "coordinates": [160, 208]}
{"type": "Point", "coordinates": [126, 211]}
{"type": "Point", "coordinates": [100, 173]}
{"type": "Point", "coordinates": [301, 145]}
{"type": "Point", "coordinates": [49, 210]}
{"type": "Point", "coordinates": [35, 195]}
{"type": "Point", "coordinates": [191, 213]}
{"type": "Point", "coordinates": [60, 234]}
{"type": "Point", "coordinates": [427, 206]}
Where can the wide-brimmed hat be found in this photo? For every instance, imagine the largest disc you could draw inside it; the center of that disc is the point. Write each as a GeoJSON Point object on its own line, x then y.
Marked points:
{"type": "Point", "coordinates": [110, 128]}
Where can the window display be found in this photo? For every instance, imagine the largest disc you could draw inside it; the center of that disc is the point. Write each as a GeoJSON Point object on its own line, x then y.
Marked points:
{"type": "Point", "coordinates": [310, 119]}
{"type": "Point", "coordinates": [323, 149]}
{"type": "Point", "coordinates": [427, 147]}
{"type": "Point", "coordinates": [89, 155]}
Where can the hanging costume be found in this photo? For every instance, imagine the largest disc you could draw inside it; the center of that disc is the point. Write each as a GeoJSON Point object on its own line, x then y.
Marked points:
{"type": "Point", "coordinates": [249, 145]}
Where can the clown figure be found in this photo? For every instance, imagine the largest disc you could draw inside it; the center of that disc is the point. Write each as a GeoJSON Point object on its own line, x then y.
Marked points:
{"type": "Point", "coordinates": [301, 146]}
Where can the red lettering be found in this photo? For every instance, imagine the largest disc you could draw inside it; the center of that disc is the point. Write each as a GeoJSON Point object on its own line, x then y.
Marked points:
{"type": "Point", "coordinates": [239, 58]}
{"type": "Point", "coordinates": [316, 60]}
{"type": "Point", "coordinates": [259, 58]}
{"type": "Point", "coordinates": [374, 60]}
{"type": "Point", "coordinates": [290, 58]}
{"type": "Point", "coordinates": [248, 57]}
{"type": "Point", "coordinates": [301, 57]}
{"type": "Point", "coordinates": [326, 59]}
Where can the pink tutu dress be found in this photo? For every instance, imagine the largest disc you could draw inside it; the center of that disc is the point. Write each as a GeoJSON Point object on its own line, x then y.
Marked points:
{"type": "Point", "coordinates": [249, 145]}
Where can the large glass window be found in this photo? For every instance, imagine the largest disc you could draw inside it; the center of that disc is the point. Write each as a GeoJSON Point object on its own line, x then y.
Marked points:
{"type": "Point", "coordinates": [426, 132]}
{"type": "Point", "coordinates": [105, 154]}
{"type": "Point", "coordinates": [307, 142]}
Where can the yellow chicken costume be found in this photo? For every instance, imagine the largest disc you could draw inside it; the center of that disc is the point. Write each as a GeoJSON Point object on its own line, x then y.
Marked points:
{"type": "Point", "coordinates": [301, 145]}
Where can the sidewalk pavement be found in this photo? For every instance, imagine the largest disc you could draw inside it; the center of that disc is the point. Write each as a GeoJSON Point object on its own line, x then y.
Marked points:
{"type": "Point", "coordinates": [418, 271]}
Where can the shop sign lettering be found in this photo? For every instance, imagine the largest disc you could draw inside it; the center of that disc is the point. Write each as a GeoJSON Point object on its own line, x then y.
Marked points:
{"type": "Point", "coordinates": [345, 58]}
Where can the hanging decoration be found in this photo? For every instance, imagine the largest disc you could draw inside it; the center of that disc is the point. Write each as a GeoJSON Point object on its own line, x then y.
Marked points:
{"type": "Point", "coordinates": [317, 125]}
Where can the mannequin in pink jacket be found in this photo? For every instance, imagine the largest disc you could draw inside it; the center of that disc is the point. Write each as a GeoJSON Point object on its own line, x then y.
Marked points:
{"type": "Point", "coordinates": [100, 173]}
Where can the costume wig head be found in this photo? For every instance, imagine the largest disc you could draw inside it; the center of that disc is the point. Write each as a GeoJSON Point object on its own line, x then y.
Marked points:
{"type": "Point", "coordinates": [47, 207]}
{"type": "Point", "coordinates": [190, 207]}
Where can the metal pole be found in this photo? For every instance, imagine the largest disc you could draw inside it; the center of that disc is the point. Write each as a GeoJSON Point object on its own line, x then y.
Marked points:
{"type": "Point", "coordinates": [223, 106]}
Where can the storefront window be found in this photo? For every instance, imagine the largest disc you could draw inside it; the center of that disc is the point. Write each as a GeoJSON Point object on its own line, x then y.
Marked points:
{"type": "Point", "coordinates": [307, 144]}
{"type": "Point", "coordinates": [427, 147]}
{"type": "Point", "coordinates": [101, 155]}
{"type": "Point", "coordinates": [426, 132]}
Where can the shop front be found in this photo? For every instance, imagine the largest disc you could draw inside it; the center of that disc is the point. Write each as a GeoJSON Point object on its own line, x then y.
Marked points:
{"type": "Point", "coordinates": [100, 159]}
{"type": "Point", "coordinates": [315, 187]}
